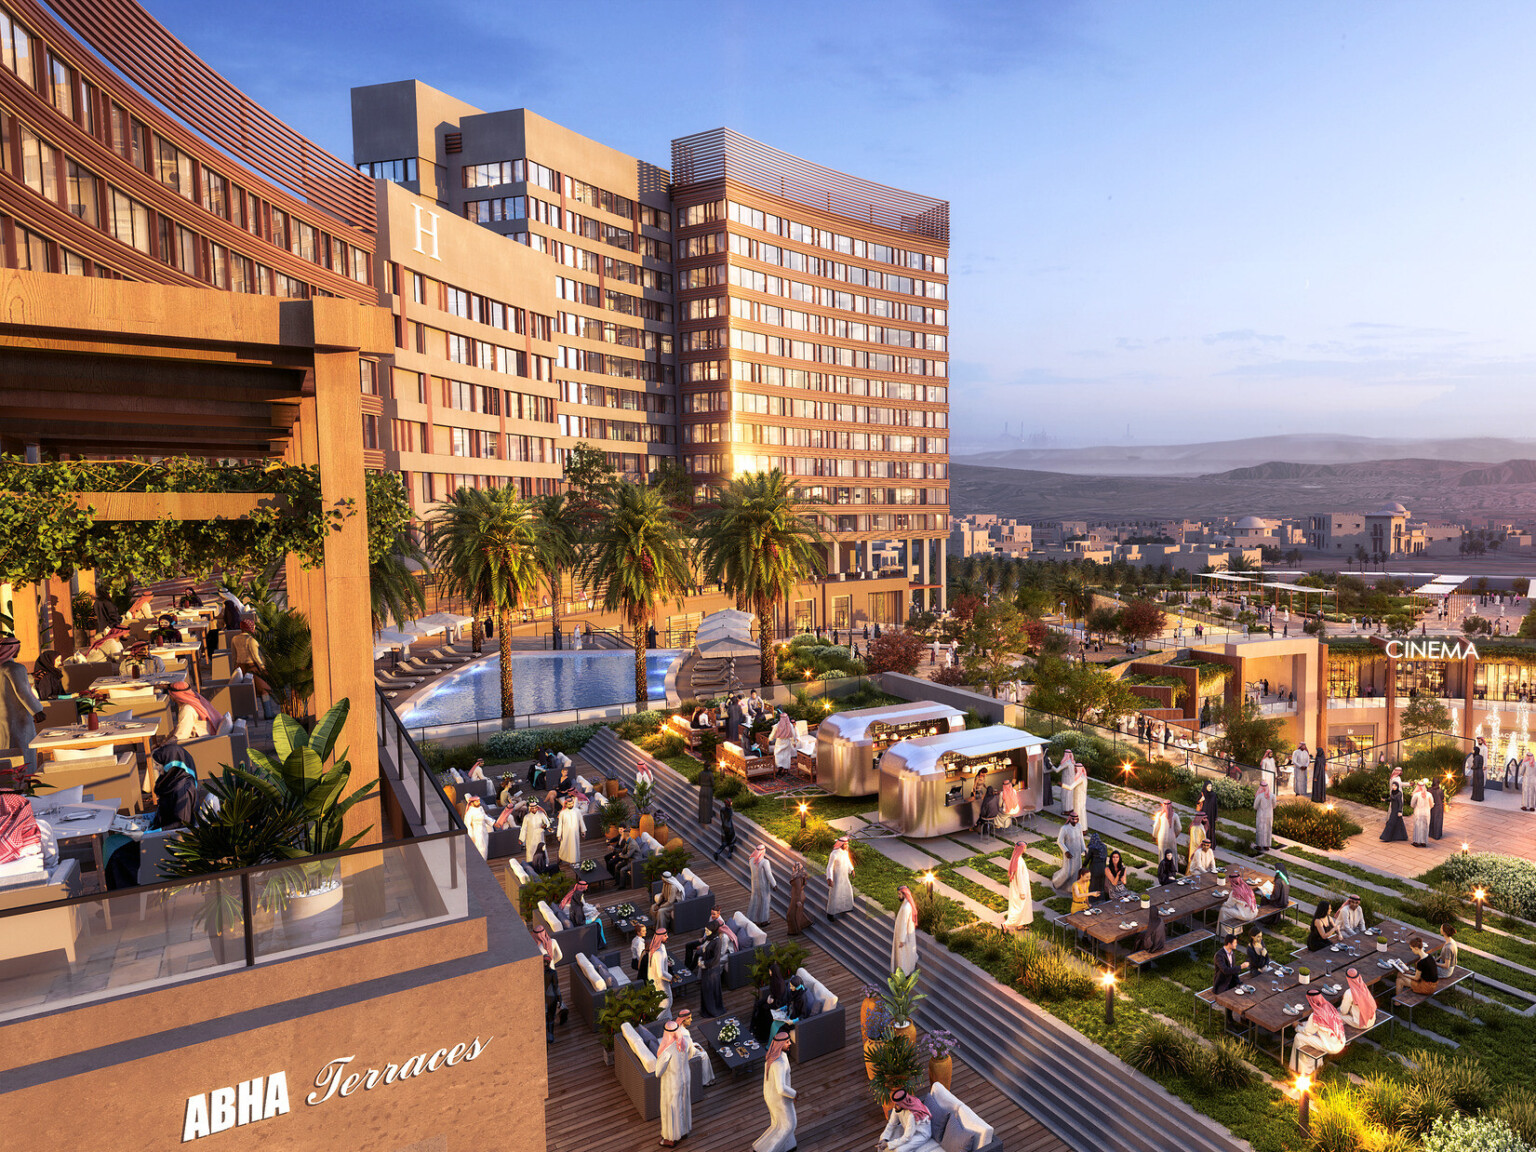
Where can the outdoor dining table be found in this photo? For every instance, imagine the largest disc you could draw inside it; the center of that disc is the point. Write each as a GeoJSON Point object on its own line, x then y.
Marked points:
{"type": "Point", "coordinates": [109, 734]}
{"type": "Point", "coordinates": [134, 685]}
{"type": "Point", "coordinates": [1114, 921]}
{"type": "Point", "coordinates": [1278, 1000]}
{"type": "Point", "coordinates": [190, 650]}
{"type": "Point", "coordinates": [737, 1056]}
{"type": "Point", "coordinates": [76, 822]}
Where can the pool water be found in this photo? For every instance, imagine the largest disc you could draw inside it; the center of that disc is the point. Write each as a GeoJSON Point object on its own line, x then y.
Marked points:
{"type": "Point", "coordinates": [541, 682]}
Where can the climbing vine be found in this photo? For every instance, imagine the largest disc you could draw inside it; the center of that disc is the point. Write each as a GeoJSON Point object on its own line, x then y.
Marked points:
{"type": "Point", "coordinates": [43, 531]}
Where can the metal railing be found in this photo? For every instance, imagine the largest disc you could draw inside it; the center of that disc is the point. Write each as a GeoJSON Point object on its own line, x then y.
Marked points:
{"type": "Point", "coordinates": [74, 947]}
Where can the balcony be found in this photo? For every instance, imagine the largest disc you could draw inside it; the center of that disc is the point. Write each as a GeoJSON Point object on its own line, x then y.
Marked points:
{"type": "Point", "coordinates": [59, 952]}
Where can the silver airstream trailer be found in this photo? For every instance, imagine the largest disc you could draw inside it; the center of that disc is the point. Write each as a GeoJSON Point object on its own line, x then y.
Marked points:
{"type": "Point", "coordinates": [928, 786]}
{"type": "Point", "coordinates": [849, 744]}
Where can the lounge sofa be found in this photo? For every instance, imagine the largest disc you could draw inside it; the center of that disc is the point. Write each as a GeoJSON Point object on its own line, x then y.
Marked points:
{"type": "Point", "coordinates": [634, 1064]}
{"type": "Point", "coordinates": [691, 913]}
{"type": "Point", "coordinates": [947, 1112]}
{"type": "Point", "coordinates": [825, 1028]}
{"type": "Point", "coordinates": [47, 930]}
{"type": "Point", "coordinates": [581, 938]}
{"type": "Point", "coordinates": [750, 940]}
{"type": "Point", "coordinates": [591, 981]}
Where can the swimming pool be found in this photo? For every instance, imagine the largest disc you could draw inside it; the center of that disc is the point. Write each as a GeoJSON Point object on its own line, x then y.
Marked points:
{"type": "Point", "coordinates": [541, 682]}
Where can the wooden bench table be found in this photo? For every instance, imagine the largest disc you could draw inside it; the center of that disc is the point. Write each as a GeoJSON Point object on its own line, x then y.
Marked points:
{"type": "Point", "coordinates": [730, 758]}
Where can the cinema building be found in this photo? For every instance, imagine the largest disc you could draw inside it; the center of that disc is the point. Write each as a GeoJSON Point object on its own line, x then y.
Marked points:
{"type": "Point", "coordinates": [186, 276]}
{"type": "Point", "coordinates": [1350, 693]}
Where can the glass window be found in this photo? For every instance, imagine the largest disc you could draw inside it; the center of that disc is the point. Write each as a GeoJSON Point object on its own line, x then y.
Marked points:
{"type": "Point", "coordinates": [80, 185]}
{"type": "Point", "coordinates": [173, 168]}
{"type": "Point", "coordinates": [38, 171]}
{"type": "Point", "coordinates": [215, 193]}
{"type": "Point", "coordinates": [130, 221]}
{"type": "Point", "coordinates": [16, 49]}
{"type": "Point", "coordinates": [31, 251]}
{"type": "Point", "coordinates": [61, 86]}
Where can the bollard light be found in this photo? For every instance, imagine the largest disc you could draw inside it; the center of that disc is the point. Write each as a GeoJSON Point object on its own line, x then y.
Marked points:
{"type": "Point", "coordinates": [1478, 897]}
{"type": "Point", "coordinates": [1108, 981]}
{"type": "Point", "coordinates": [1465, 847]}
{"type": "Point", "coordinates": [804, 810]}
{"type": "Point", "coordinates": [1303, 1085]}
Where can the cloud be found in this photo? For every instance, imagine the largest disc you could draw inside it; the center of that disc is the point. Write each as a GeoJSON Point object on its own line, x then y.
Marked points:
{"type": "Point", "coordinates": [1242, 336]}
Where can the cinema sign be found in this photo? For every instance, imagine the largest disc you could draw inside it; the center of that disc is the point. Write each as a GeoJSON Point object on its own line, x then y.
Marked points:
{"type": "Point", "coordinates": [1431, 650]}
{"type": "Point", "coordinates": [266, 1097]}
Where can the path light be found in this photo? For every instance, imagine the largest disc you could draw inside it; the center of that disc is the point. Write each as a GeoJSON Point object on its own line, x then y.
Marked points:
{"type": "Point", "coordinates": [1108, 980]}
{"type": "Point", "coordinates": [1303, 1085]}
{"type": "Point", "coordinates": [804, 808]}
{"type": "Point", "coordinates": [1328, 807]}
{"type": "Point", "coordinates": [1479, 897]}
{"type": "Point", "coordinates": [1465, 847]}
{"type": "Point", "coordinates": [1128, 769]}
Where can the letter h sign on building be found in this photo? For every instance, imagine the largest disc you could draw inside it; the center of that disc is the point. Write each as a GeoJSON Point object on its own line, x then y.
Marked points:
{"type": "Point", "coordinates": [266, 1097]}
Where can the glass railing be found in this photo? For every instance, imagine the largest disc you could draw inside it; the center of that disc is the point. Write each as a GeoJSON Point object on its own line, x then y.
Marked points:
{"type": "Point", "coordinates": [58, 950]}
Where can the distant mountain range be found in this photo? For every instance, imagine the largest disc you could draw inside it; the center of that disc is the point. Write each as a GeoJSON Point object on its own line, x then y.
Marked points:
{"type": "Point", "coordinates": [1449, 489]}
{"type": "Point", "coordinates": [1269, 452]}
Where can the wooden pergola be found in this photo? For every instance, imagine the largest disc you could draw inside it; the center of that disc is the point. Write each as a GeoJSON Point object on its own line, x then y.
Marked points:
{"type": "Point", "coordinates": [110, 368]}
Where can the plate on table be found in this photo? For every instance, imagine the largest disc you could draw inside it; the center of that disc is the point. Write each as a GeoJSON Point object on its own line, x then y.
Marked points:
{"type": "Point", "coordinates": [725, 1050]}
{"type": "Point", "coordinates": [1291, 1010]}
{"type": "Point", "coordinates": [1128, 924]}
{"type": "Point", "coordinates": [1165, 911]}
{"type": "Point", "coordinates": [1239, 991]}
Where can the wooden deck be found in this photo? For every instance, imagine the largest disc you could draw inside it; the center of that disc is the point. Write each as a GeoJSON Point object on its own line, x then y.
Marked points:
{"type": "Point", "coordinates": [587, 1111]}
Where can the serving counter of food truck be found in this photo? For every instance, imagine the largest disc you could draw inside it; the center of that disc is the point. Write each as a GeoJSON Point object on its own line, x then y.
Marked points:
{"type": "Point", "coordinates": [849, 744]}
{"type": "Point", "coordinates": [932, 786]}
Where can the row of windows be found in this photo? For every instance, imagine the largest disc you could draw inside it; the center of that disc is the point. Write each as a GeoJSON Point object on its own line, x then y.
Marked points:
{"type": "Point", "coordinates": [836, 327]}
{"type": "Point", "coordinates": [702, 370]}
{"type": "Point", "coordinates": [827, 269]}
{"type": "Point", "coordinates": [532, 208]}
{"type": "Point", "coordinates": [580, 360]}
{"type": "Point", "coordinates": [37, 253]}
{"type": "Point", "coordinates": [472, 353]}
{"type": "Point", "coordinates": [833, 466]}
{"type": "Point", "coordinates": [530, 172]}
{"type": "Point", "coordinates": [831, 439]}
{"type": "Point", "coordinates": [580, 292]}
{"type": "Point", "coordinates": [471, 306]}
{"type": "Point", "coordinates": [496, 401]}
{"type": "Point", "coordinates": [629, 431]}
{"type": "Point", "coordinates": [583, 260]}
{"type": "Point", "coordinates": [818, 238]}
{"type": "Point", "coordinates": [778, 377]}
{"type": "Point", "coordinates": [81, 102]}
{"type": "Point", "coordinates": [709, 307]}
{"type": "Point", "coordinates": [571, 324]}
{"type": "Point", "coordinates": [435, 485]}
{"type": "Point", "coordinates": [760, 342]}
{"type": "Point", "coordinates": [483, 444]}
{"type": "Point", "coordinates": [794, 406]}
{"type": "Point", "coordinates": [60, 180]}
{"type": "Point", "coordinates": [625, 399]}
{"type": "Point", "coordinates": [402, 171]}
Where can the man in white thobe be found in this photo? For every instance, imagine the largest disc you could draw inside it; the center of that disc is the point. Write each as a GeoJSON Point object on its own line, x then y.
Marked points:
{"type": "Point", "coordinates": [1350, 918]}
{"type": "Point", "coordinates": [1301, 760]}
{"type": "Point", "coordinates": [570, 830]}
{"type": "Point", "coordinates": [675, 1082]}
{"type": "Point", "coordinates": [694, 1048]}
{"type": "Point", "coordinates": [535, 824]}
{"type": "Point", "coordinates": [1021, 902]}
{"type": "Point", "coordinates": [1074, 789]}
{"type": "Point", "coordinates": [659, 969]}
{"type": "Point", "coordinates": [839, 880]}
{"type": "Point", "coordinates": [1166, 827]}
{"type": "Point", "coordinates": [784, 742]}
{"type": "Point", "coordinates": [904, 936]}
{"type": "Point", "coordinates": [1070, 842]}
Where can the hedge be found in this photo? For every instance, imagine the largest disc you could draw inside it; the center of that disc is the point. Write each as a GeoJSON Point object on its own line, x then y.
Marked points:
{"type": "Point", "coordinates": [1509, 880]}
{"type": "Point", "coordinates": [506, 747]}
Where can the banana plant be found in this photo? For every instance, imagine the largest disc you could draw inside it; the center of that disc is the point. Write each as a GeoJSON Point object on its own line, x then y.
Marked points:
{"type": "Point", "coordinates": [299, 773]}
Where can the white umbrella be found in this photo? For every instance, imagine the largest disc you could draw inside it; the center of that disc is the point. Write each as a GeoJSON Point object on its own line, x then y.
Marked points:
{"type": "Point", "coordinates": [721, 646]}
{"type": "Point", "coordinates": [393, 638]}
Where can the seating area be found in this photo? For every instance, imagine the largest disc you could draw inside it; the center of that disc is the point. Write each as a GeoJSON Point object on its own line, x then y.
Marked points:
{"type": "Point", "coordinates": [834, 1104]}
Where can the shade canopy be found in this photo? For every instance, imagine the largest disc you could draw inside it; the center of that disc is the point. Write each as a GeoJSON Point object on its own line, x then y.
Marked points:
{"type": "Point", "coordinates": [717, 647]}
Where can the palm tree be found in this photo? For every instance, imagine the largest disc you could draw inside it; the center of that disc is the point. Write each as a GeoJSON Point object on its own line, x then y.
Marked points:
{"type": "Point", "coordinates": [561, 526]}
{"type": "Point", "coordinates": [393, 590]}
{"type": "Point", "coordinates": [1237, 562]}
{"type": "Point", "coordinates": [287, 657]}
{"type": "Point", "coordinates": [486, 548]}
{"type": "Point", "coordinates": [1073, 590]}
{"type": "Point", "coordinates": [761, 547]}
{"type": "Point", "coordinates": [639, 556]}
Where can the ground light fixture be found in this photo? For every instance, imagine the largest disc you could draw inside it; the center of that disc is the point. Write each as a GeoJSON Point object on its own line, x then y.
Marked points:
{"type": "Point", "coordinates": [1465, 847]}
{"type": "Point", "coordinates": [1303, 1086]}
{"type": "Point", "coordinates": [1479, 897]}
{"type": "Point", "coordinates": [804, 811]}
{"type": "Point", "coordinates": [1108, 980]}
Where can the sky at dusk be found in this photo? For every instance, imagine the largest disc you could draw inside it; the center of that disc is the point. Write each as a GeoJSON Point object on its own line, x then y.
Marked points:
{"type": "Point", "coordinates": [1188, 220]}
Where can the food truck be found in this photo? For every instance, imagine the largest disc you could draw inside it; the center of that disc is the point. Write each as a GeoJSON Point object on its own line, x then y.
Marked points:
{"type": "Point", "coordinates": [932, 786]}
{"type": "Point", "coordinates": [849, 744]}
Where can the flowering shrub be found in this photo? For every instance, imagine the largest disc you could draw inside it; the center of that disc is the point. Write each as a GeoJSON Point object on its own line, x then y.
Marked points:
{"type": "Point", "coordinates": [1473, 1134]}
{"type": "Point", "coordinates": [1509, 881]}
{"type": "Point", "coordinates": [1313, 825]}
{"type": "Point", "coordinates": [936, 1045]}
{"type": "Point", "coordinates": [524, 744]}
{"type": "Point", "coordinates": [1229, 793]}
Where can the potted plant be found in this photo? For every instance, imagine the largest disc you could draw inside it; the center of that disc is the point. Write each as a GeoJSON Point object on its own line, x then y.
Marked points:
{"type": "Point", "coordinates": [248, 828]}
{"type": "Point", "coordinates": [643, 794]}
{"type": "Point", "coordinates": [870, 1003]}
{"type": "Point", "coordinates": [897, 1064]}
{"type": "Point", "coordinates": [899, 1000]}
{"type": "Point", "coordinates": [938, 1047]}
{"type": "Point", "coordinates": [615, 812]}
{"type": "Point", "coordinates": [87, 706]}
{"type": "Point", "coordinates": [312, 910]}
{"type": "Point", "coordinates": [636, 1004]}
{"type": "Point", "coordinates": [1304, 975]}
{"type": "Point", "coordinates": [789, 955]}
{"type": "Point", "coordinates": [1381, 943]}
{"type": "Point", "coordinates": [1146, 901]}
{"type": "Point", "coordinates": [875, 1028]}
